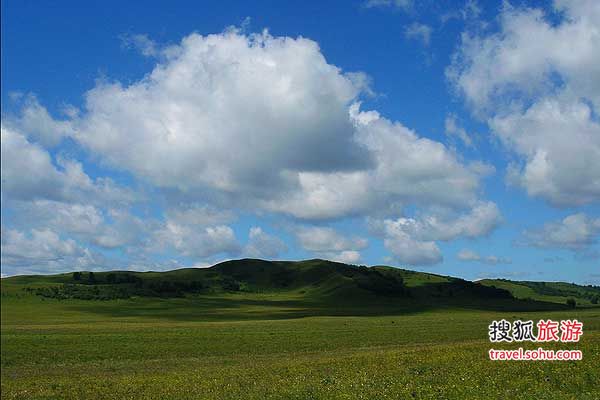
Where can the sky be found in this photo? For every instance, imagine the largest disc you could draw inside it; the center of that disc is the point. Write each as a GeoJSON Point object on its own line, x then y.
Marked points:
{"type": "Point", "coordinates": [454, 137]}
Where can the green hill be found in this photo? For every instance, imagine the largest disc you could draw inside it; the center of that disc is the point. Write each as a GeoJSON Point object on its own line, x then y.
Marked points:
{"type": "Point", "coordinates": [554, 292]}
{"type": "Point", "coordinates": [307, 285]}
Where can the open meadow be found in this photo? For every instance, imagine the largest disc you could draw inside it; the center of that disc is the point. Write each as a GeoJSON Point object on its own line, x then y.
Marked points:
{"type": "Point", "coordinates": [274, 345]}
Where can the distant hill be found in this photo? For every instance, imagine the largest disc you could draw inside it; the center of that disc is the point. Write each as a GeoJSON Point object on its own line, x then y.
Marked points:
{"type": "Point", "coordinates": [555, 292]}
{"type": "Point", "coordinates": [316, 281]}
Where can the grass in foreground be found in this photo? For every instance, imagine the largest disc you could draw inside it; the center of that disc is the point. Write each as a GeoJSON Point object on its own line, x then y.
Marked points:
{"type": "Point", "coordinates": [78, 354]}
{"type": "Point", "coordinates": [278, 345]}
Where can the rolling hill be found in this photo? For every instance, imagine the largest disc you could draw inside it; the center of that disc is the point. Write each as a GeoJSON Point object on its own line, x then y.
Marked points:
{"type": "Point", "coordinates": [554, 292]}
{"type": "Point", "coordinates": [313, 283]}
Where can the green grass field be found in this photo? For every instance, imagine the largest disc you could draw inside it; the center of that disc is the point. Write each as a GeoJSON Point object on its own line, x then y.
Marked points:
{"type": "Point", "coordinates": [322, 340]}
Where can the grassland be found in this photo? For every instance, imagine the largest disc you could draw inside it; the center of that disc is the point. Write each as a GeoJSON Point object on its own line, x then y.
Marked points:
{"type": "Point", "coordinates": [308, 336]}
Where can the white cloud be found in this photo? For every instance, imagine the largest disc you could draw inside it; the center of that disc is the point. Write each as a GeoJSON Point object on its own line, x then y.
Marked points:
{"type": "Point", "coordinates": [413, 241]}
{"type": "Point", "coordinates": [409, 251]}
{"type": "Point", "coordinates": [575, 232]}
{"type": "Point", "coordinates": [28, 173]}
{"type": "Point", "coordinates": [327, 243]}
{"type": "Point", "coordinates": [265, 122]}
{"type": "Point", "coordinates": [419, 32]}
{"type": "Point", "coordinates": [523, 58]}
{"type": "Point", "coordinates": [199, 215]}
{"type": "Point", "coordinates": [244, 113]}
{"type": "Point", "coordinates": [262, 245]}
{"type": "Point", "coordinates": [39, 125]}
{"type": "Point", "coordinates": [346, 256]}
{"type": "Point", "coordinates": [537, 83]}
{"type": "Point", "coordinates": [111, 228]}
{"type": "Point", "coordinates": [193, 231]}
{"type": "Point", "coordinates": [560, 142]}
{"type": "Point", "coordinates": [322, 239]}
{"type": "Point", "coordinates": [250, 122]}
{"type": "Point", "coordinates": [408, 169]}
{"type": "Point", "coordinates": [44, 251]}
{"type": "Point", "coordinates": [194, 241]}
{"type": "Point", "coordinates": [469, 255]}
{"type": "Point", "coordinates": [480, 221]}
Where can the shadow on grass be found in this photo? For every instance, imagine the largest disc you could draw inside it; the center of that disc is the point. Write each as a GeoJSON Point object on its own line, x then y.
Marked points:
{"type": "Point", "coordinates": [249, 306]}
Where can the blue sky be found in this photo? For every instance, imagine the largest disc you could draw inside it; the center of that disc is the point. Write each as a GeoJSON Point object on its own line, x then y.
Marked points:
{"type": "Point", "coordinates": [458, 138]}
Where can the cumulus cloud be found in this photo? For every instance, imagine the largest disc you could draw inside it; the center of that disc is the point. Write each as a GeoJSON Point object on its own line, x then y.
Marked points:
{"type": "Point", "coordinates": [413, 240]}
{"type": "Point", "coordinates": [29, 173]}
{"type": "Point", "coordinates": [408, 169]}
{"type": "Point", "coordinates": [107, 228]}
{"type": "Point", "coordinates": [262, 245]}
{"type": "Point", "coordinates": [408, 250]}
{"type": "Point", "coordinates": [537, 84]}
{"type": "Point", "coordinates": [37, 123]}
{"type": "Point", "coordinates": [193, 241]}
{"type": "Point", "coordinates": [266, 122]}
{"type": "Point", "coordinates": [44, 251]}
{"type": "Point", "coordinates": [479, 221]}
{"type": "Point", "coordinates": [199, 214]}
{"type": "Point", "coordinates": [235, 113]}
{"type": "Point", "coordinates": [575, 232]}
{"type": "Point", "coordinates": [327, 243]}
{"type": "Point", "coordinates": [469, 255]}
{"type": "Point", "coordinates": [561, 143]}
{"type": "Point", "coordinates": [193, 230]}
{"type": "Point", "coordinates": [240, 122]}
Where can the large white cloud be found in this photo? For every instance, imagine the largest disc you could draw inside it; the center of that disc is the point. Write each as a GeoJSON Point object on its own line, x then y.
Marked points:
{"type": "Point", "coordinates": [229, 112]}
{"type": "Point", "coordinates": [537, 83]}
{"type": "Point", "coordinates": [266, 122]}
{"type": "Point", "coordinates": [237, 121]}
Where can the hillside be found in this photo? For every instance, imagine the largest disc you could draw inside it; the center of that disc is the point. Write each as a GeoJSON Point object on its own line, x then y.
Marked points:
{"type": "Point", "coordinates": [307, 285]}
{"type": "Point", "coordinates": [554, 292]}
